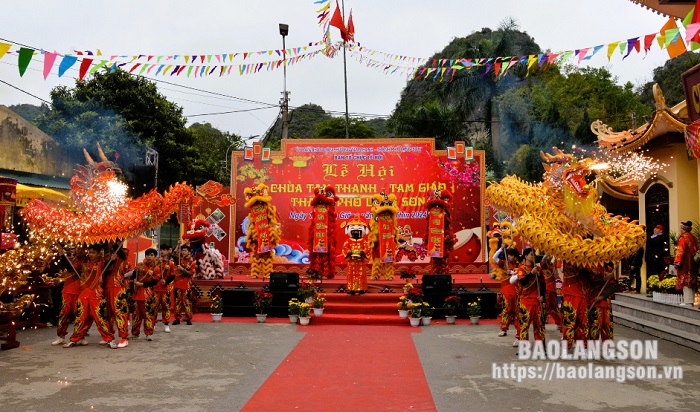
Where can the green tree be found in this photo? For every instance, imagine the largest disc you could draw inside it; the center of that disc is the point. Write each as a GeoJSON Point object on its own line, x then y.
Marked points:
{"type": "Point", "coordinates": [29, 112]}
{"type": "Point", "coordinates": [335, 128]}
{"type": "Point", "coordinates": [525, 163]}
{"type": "Point", "coordinates": [125, 113]}
{"type": "Point", "coordinates": [214, 148]}
{"type": "Point", "coordinates": [300, 124]}
{"type": "Point", "coordinates": [668, 77]}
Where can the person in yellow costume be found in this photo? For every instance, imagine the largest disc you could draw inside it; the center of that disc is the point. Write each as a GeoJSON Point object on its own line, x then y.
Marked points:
{"type": "Point", "coordinates": [264, 230]}
{"type": "Point", "coordinates": [383, 235]}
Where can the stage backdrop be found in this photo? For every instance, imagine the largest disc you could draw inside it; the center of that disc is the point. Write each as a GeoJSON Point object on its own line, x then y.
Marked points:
{"type": "Point", "coordinates": [360, 168]}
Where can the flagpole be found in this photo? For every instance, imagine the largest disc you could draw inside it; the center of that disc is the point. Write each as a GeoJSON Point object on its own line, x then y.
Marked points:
{"type": "Point", "coordinates": [345, 77]}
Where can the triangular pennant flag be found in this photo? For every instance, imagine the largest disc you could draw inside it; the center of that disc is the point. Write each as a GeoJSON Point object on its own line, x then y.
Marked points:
{"type": "Point", "coordinates": [143, 68]}
{"type": "Point", "coordinates": [135, 66]}
{"type": "Point", "coordinates": [648, 40]}
{"type": "Point", "coordinates": [596, 49]}
{"type": "Point", "coordinates": [66, 63]}
{"type": "Point", "coordinates": [25, 56]}
{"type": "Point", "coordinates": [175, 70]}
{"type": "Point", "coordinates": [531, 60]}
{"type": "Point", "coordinates": [630, 45]}
{"type": "Point", "coordinates": [622, 46]}
{"type": "Point", "coordinates": [672, 33]}
{"type": "Point", "coordinates": [167, 68]}
{"type": "Point", "coordinates": [691, 31]}
{"type": "Point", "coordinates": [84, 66]}
{"type": "Point", "coordinates": [4, 48]}
{"type": "Point", "coordinates": [189, 70]}
{"type": "Point", "coordinates": [98, 66]}
{"type": "Point", "coordinates": [611, 48]}
{"type": "Point", "coordinates": [582, 54]}
{"type": "Point", "coordinates": [49, 59]}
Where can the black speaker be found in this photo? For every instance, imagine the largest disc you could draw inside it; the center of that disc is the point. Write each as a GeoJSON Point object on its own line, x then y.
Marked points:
{"type": "Point", "coordinates": [141, 179]}
{"type": "Point", "coordinates": [437, 283]}
{"type": "Point", "coordinates": [284, 281]}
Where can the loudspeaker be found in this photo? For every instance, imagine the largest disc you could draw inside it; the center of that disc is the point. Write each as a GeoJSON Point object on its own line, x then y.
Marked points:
{"type": "Point", "coordinates": [284, 281]}
{"type": "Point", "coordinates": [141, 179]}
{"type": "Point", "coordinates": [437, 283]}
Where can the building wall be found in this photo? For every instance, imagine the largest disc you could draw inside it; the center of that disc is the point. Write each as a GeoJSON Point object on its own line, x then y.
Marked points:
{"type": "Point", "coordinates": [27, 149]}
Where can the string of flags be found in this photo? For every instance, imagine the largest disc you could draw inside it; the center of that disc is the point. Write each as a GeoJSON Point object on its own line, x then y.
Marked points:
{"type": "Point", "coordinates": [668, 38]}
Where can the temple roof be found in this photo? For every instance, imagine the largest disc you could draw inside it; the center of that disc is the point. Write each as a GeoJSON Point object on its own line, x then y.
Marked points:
{"type": "Point", "coordinates": [664, 120]}
{"type": "Point", "coordinates": [671, 8]}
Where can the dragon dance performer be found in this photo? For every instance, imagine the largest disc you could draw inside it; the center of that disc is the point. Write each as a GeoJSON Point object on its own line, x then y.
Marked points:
{"type": "Point", "coordinates": [146, 275]}
{"type": "Point", "coordinates": [182, 285]}
{"type": "Point", "coordinates": [91, 303]}
{"type": "Point", "coordinates": [263, 230]}
{"type": "Point", "coordinates": [574, 319]}
{"type": "Point", "coordinates": [356, 250]}
{"type": "Point", "coordinates": [69, 302]}
{"type": "Point", "coordinates": [439, 238]}
{"type": "Point", "coordinates": [322, 242]}
{"type": "Point", "coordinates": [504, 262]}
{"type": "Point", "coordinates": [163, 289]}
{"type": "Point", "coordinates": [550, 299]}
{"type": "Point", "coordinates": [601, 287]}
{"type": "Point", "coordinates": [531, 292]}
{"type": "Point", "coordinates": [383, 235]}
{"type": "Point", "coordinates": [116, 285]}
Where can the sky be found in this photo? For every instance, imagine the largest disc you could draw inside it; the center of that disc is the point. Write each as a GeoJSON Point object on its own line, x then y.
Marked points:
{"type": "Point", "coordinates": [397, 27]}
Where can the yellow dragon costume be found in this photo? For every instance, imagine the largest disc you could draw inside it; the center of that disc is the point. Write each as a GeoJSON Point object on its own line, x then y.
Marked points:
{"type": "Point", "coordinates": [263, 230]}
{"type": "Point", "coordinates": [383, 235]}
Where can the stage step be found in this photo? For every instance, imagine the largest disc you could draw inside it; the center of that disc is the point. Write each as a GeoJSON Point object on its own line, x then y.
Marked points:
{"type": "Point", "coordinates": [679, 324]}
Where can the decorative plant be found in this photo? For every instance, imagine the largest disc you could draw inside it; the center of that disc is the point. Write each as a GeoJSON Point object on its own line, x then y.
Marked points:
{"type": "Point", "coordinates": [408, 285]}
{"type": "Point", "coordinates": [313, 274]}
{"type": "Point", "coordinates": [294, 306]}
{"type": "Point", "coordinates": [319, 300]}
{"type": "Point", "coordinates": [306, 290]}
{"type": "Point", "coordinates": [474, 308]}
{"type": "Point", "coordinates": [407, 273]}
{"type": "Point", "coordinates": [262, 300]}
{"type": "Point", "coordinates": [666, 285]}
{"type": "Point", "coordinates": [415, 309]}
{"type": "Point", "coordinates": [217, 305]}
{"type": "Point", "coordinates": [426, 310]}
{"type": "Point", "coordinates": [451, 304]}
{"type": "Point", "coordinates": [414, 295]}
{"type": "Point", "coordinates": [403, 302]}
{"type": "Point", "coordinates": [304, 310]}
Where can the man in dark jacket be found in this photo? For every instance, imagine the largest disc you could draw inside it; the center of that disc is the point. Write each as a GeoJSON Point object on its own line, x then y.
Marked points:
{"type": "Point", "coordinates": [657, 249]}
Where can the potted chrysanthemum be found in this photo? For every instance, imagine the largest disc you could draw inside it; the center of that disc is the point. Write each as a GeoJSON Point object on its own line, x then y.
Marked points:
{"type": "Point", "coordinates": [451, 305]}
{"type": "Point", "coordinates": [261, 301]}
{"type": "Point", "coordinates": [216, 308]}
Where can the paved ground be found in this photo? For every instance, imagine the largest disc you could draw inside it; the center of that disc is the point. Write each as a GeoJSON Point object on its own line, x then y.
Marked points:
{"type": "Point", "coordinates": [218, 367]}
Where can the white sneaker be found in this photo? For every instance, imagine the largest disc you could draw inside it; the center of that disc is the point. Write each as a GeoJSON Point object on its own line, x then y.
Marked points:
{"type": "Point", "coordinates": [123, 343]}
{"type": "Point", "coordinates": [59, 341]}
{"type": "Point", "coordinates": [112, 344]}
{"type": "Point", "coordinates": [516, 343]}
{"type": "Point", "coordinates": [167, 329]}
{"type": "Point", "coordinates": [503, 333]}
{"type": "Point", "coordinates": [149, 338]}
{"type": "Point", "coordinates": [82, 342]}
{"type": "Point", "coordinates": [102, 342]}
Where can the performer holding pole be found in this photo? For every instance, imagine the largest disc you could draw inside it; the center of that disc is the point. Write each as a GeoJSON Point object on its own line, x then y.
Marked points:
{"type": "Point", "coordinates": [146, 275]}
{"type": "Point", "coordinates": [116, 283]}
{"type": "Point", "coordinates": [531, 297]}
{"type": "Point", "coordinates": [183, 284]}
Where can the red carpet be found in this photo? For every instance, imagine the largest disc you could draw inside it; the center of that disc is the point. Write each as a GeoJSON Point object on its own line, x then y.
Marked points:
{"type": "Point", "coordinates": [348, 368]}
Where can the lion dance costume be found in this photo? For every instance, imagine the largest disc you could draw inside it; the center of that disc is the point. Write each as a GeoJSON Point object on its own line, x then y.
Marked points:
{"type": "Point", "coordinates": [439, 236]}
{"type": "Point", "coordinates": [263, 230]}
{"type": "Point", "coordinates": [356, 250]}
{"type": "Point", "coordinates": [383, 235]}
{"type": "Point", "coordinates": [322, 231]}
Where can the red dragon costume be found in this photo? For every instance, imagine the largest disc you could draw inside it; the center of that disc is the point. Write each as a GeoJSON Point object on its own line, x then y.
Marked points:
{"type": "Point", "coordinates": [383, 235]}
{"type": "Point", "coordinates": [322, 241]}
{"type": "Point", "coordinates": [439, 238]}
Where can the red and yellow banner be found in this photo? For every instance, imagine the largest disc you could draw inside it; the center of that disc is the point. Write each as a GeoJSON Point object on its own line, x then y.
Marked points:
{"type": "Point", "coordinates": [359, 168]}
{"type": "Point", "coordinates": [436, 232]}
{"type": "Point", "coordinates": [321, 229]}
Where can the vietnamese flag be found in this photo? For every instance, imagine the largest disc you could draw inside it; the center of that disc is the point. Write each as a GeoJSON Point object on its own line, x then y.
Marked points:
{"type": "Point", "coordinates": [337, 21]}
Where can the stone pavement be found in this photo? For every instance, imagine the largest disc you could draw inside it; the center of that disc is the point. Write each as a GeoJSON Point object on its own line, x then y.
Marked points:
{"type": "Point", "coordinates": [218, 367]}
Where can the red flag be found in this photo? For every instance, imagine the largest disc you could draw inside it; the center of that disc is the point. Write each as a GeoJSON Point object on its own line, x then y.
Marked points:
{"type": "Point", "coordinates": [337, 21]}
{"type": "Point", "coordinates": [351, 28]}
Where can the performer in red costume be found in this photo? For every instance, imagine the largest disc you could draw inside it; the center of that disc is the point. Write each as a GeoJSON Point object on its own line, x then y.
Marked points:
{"type": "Point", "coordinates": [322, 231]}
{"type": "Point", "coordinates": [116, 294]}
{"type": "Point", "coordinates": [439, 238]}
{"type": "Point", "coordinates": [91, 303]}
{"type": "Point", "coordinates": [550, 300]}
{"type": "Point", "coordinates": [183, 282]}
{"type": "Point", "coordinates": [601, 288]}
{"type": "Point", "coordinates": [686, 268]}
{"type": "Point", "coordinates": [356, 251]}
{"type": "Point", "coordinates": [505, 262]}
{"type": "Point", "coordinates": [531, 292]}
{"type": "Point", "coordinates": [146, 275]}
{"type": "Point", "coordinates": [163, 289]}
{"type": "Point", "coordinates": [69, 294]}
{"type": "Point", "coordinates": [574, 319]}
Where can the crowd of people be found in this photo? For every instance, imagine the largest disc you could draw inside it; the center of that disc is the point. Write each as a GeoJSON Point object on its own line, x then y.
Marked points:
{"type": "Point", "coordinates": [100, 287]}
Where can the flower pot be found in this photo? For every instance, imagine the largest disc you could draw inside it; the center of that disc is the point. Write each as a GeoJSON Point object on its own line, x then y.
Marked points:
{"type": "Point", "coordinates": [318, 312]}
{"type": "Point", "coordinates": [261, 317]}
{"type": "Point", "coordinates": [403, 314]}
{"type": "Point", "coordinates": [304, 320]}
{"type": "Point", "coordinates": [293, 319]}
{"type": "Point", "coordinates": [450, 319]}
{"type": "Point", "coordinates": [216, 317]}
{"type": "Point", "coordinates": [414, 321]}
{"type": "Point", "coordinates": [425, 321]}
{"type": "Point", "coordinates": [474, 319]}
